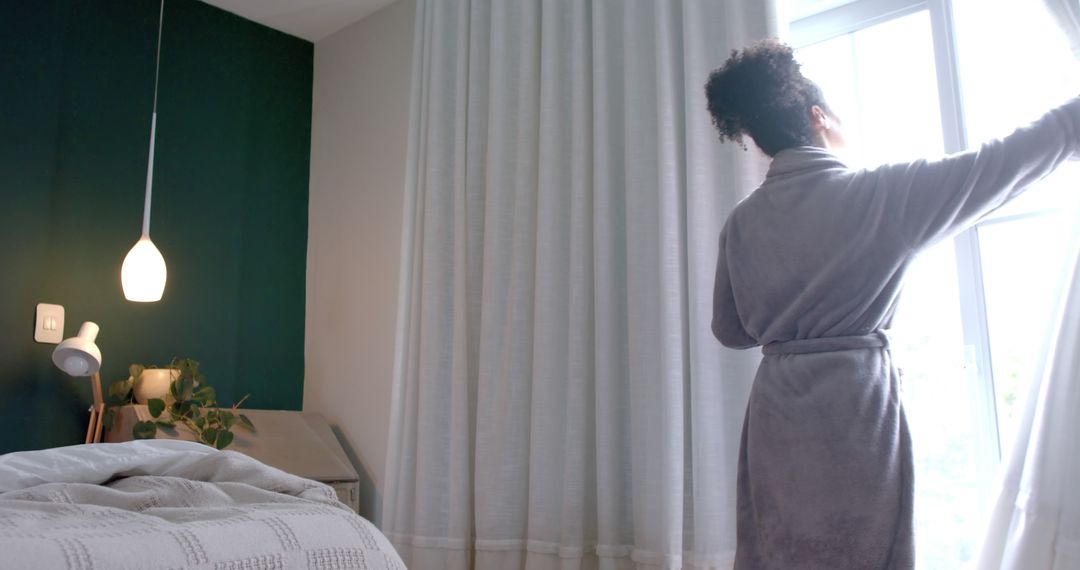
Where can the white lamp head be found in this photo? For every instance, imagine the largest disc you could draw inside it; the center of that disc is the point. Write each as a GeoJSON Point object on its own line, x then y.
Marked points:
{"type": "Point", "coordinates": [143, 273]}
{"type": "Point", "coordinates": [79, 355]}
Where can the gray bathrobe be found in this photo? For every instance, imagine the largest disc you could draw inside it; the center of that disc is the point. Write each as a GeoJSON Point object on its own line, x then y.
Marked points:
{"type": "Point", "coordinates": [810, 268]}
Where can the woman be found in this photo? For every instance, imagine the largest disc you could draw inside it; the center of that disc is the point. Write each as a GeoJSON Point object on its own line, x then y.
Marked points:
{"type": "Point", "coordinates": [810, 268]}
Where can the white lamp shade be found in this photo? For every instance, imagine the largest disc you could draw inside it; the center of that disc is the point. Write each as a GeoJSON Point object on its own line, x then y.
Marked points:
{"type": "Point", "coordinates": [79, 355]}
{"type": "Point", "coordinates": [143, 273]}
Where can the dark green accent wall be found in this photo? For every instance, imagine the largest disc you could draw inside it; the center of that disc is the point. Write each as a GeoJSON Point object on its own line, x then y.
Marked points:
{"type": "Point", "coordinates": [229, 203]}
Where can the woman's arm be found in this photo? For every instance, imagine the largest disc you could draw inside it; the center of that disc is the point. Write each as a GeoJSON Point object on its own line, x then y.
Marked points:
{"type": "Point", "coordinates": [932, 199]}
{"type": "Point", "coordinates": [726, 325]}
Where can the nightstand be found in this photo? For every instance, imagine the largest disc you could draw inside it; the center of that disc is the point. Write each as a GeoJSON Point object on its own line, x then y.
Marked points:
{"type": "Point", "coordinates": [300, 443]}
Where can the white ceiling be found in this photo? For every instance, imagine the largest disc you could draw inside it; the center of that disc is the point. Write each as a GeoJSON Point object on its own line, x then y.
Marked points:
{"type": "Point", "coordinates": [311, 20]}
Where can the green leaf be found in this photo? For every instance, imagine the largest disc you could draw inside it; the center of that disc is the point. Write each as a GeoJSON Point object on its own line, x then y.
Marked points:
{"type": "Point", "coordinates": [174, 389]}
{"type": "Point", "coordinates": [224, 439]}
{"type": "Point", "coordinates": [187, 386]}
{"type": "Point", "coordinates": [135, 370]}
{"type": "Point", "coordinates": [200, 423]}
{"type": "Point", "coordinates": [121, 389]}
{"type": "Point", "coordinates": [227, 420]}
{"type": "Point", "coordinates": [244, 421]}
{"type": "Point", "coordinates": [209, 436]}
{"type": "Point", "coordinates": [144, 430]}
{"type": "Point", "coordinates": [156, 406]}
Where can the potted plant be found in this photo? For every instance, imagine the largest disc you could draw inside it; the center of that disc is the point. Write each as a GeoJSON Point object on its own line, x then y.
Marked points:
{"type": "Point", "coordinates": [190, 401]}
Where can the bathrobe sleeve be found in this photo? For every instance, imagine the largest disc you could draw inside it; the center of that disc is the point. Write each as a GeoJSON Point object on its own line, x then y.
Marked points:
{"type": "Point", "coordinates": [726, 324]}
{"type": "Point", "coordinates": [931, 199]}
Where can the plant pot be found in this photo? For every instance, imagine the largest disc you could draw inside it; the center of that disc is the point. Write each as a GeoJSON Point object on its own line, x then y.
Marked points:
{"type": "Point", "coordinates": [154, 383]}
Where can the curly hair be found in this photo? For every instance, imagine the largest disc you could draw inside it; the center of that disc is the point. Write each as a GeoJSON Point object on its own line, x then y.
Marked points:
{"type": "Point", "coordinates": [762, 92]}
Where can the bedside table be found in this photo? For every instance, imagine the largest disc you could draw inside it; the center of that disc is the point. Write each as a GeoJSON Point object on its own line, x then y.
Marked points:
{"type": "Point", "coordinates": [300, 443]}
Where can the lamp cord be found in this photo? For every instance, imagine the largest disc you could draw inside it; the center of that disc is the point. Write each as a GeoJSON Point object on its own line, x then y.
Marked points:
{"type": "Point", "coordinates": [157, 62]}
{"type": "Point", "coordinates": [153, 128]}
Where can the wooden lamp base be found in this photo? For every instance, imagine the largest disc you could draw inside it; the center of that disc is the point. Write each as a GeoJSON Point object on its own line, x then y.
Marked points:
{"type": "Point", "coordinates": [97, 410]}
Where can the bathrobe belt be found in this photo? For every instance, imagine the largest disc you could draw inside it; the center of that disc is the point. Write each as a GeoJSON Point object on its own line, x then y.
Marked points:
{"type": "Point", "coordinates": [876, 339]}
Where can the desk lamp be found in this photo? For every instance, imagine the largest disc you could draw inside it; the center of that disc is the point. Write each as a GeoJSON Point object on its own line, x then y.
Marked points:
{"type": "Point", "coordinates": [79, 356]}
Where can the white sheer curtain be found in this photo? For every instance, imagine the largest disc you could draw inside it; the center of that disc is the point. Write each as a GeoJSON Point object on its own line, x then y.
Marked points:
{"type": "Point", "coordinates": [559, 401]}
{"type": "Point", "coordinates": [1035, 522]}
{"type": "Point", "coordinates": [1067, 15]}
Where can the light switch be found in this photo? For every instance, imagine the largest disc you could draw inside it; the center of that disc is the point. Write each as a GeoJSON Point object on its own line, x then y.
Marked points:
{"type": "Point", "coordinates": [49, 323]}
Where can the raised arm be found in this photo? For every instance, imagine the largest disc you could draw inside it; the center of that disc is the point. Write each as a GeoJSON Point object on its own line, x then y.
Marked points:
{"type": "Point", "coordinates": [932, 199]}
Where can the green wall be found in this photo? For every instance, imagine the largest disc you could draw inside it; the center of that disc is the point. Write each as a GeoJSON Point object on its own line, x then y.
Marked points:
{"type": "Point", "coordinates": [229, 210]}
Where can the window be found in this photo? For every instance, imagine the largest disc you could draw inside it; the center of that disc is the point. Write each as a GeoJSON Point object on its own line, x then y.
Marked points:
{"type": "Point", "coordinates": [918, 78]}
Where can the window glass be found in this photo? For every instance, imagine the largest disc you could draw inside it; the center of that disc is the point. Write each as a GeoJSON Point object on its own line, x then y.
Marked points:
{"type": "Point", "coordinates": [1025, 263]}
{"type": "Point", "coordinates": [881, 82]}
{"type": "Point", "coordinates": [1014, 65]}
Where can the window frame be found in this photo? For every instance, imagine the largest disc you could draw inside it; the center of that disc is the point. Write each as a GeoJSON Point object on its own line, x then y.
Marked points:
{"type": "Point", "coordinates": [837, 19]}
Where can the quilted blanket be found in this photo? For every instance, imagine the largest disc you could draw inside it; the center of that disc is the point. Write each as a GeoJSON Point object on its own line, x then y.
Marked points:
{"type": "Point", "coordinates": [174, 504]}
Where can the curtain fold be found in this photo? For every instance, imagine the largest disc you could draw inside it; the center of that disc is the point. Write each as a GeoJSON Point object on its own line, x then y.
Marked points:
{"type": "Point", "coordinates": [1067, 15]}
{"type": "Point", "coordinates": [1035, 520]}
{"type": "Point", "coordinates": [559, 401]}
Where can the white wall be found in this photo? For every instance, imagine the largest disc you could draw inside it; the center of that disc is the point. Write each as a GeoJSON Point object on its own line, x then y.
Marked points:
{"type": "Point", "coordinates": [358, 137]}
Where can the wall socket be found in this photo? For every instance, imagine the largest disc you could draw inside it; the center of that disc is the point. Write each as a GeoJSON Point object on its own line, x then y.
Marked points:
{"type": "Point", "coordinates": [49, 323]}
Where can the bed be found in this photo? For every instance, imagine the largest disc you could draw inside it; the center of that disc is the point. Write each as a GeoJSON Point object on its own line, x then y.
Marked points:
{"type": "Point", "coordinates": [159, 504]}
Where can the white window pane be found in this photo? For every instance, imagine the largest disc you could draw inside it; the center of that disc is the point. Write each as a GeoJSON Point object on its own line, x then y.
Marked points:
{"type": "Point", "coordinates": [1025, 263]}
{"type": "Point", "coordinates": [1014, 65]}
{"type": "Point", "coordinates": [881, 82]}
{"type": "Point", "coordinates": [939, 399]}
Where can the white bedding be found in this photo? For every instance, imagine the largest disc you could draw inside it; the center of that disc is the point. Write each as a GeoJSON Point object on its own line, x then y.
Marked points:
{"type": "Point", "coordinates": [174, 504]}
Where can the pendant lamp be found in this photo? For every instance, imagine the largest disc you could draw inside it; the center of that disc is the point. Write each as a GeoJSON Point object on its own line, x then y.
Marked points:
{"type": "Point", "coordinates": [143, 273]}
